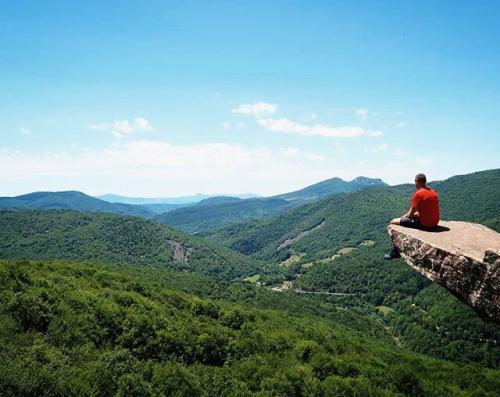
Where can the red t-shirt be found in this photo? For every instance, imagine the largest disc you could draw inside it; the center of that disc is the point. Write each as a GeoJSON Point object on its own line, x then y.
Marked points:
{"type": "Point", "coordinates": [426, 202]}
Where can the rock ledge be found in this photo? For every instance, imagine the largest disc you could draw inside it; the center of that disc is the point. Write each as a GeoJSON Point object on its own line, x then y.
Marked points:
{"type": "Point", "coordinates": [462, 257]}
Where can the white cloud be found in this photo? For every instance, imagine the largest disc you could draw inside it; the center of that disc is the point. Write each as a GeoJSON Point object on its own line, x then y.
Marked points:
{"type": "Point", "coordinates": [401, 124]}
{"type": "Point", "coordinates": [123, 128]}
{"type": "Point", "coordinates": [361, 113]}
{"type": "Point", "coordinates": [25, 131]}
{"type": "Point", "coordinates": [240, 125]}
{"type": "Point", "coordinates": [284, 124]}
{"type": "Point", "coordinates": [141, 124]}
{"type": "Point", "coordinates": [226, 125]}
{"type": "Point", "coordinates": [288, 126]}
{"type": "Point", "coordinates": [379, 148]}
{"type": "Point", "coordinates": [156, 168]}
{"type": "Point", "coordinates": [256, 109]}
{"type": "Point", "coordinates": [312, 116]}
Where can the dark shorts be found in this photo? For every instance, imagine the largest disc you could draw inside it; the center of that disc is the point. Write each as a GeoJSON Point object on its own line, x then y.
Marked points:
{"type": "Point", "coordinates": [413, 223]}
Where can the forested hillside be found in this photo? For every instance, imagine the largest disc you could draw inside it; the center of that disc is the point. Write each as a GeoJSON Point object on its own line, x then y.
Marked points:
{"type": "Point", "coordinates": [210, 215]}
{"type": "Point", "coordinates": [62, 234]}
{"type": "Point", "coordinates": [214, 213]}
{"type": "Point", "coordinates": [473, 198]}
{"type": "Point", "coordinates": [86, 329]}
{"type": "Point", "coordinates": [163, 312]}
{"type": "Point", "coordinates": [350, 218]}
{"type": "Point", "coordinates": [344, 251]}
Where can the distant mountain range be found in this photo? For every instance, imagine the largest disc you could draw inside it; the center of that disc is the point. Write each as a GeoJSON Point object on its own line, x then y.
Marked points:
{"type": "Point", "coordinates": [192, 214]}
{"type": "Point", "coordinates": [211, 215]}
{"type": "Point", "coordinates": [72, 200]}
{"type": "Point", "coordinates": [115, 198]}
{"type": "Point", "coordinates": [216, 212]}
{"type": "Point", "coordinates": [331, 186]}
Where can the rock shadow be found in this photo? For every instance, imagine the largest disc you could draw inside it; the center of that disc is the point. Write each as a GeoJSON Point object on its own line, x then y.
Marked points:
{"type": "Point", "coordinates": [439, 229]}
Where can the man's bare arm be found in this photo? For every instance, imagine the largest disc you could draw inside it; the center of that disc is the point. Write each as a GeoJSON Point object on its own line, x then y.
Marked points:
{"type": "Point", "coordinates": [411, 212]}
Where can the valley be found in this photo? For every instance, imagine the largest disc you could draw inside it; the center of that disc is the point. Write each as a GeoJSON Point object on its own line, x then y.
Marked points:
{"type": "Point", "coordinates": [304, 293]}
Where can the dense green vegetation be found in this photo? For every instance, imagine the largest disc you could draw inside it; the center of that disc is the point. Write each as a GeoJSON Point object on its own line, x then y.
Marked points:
{"type": "Point", "coordinates": [350, 219]}
{"type": "Point", "coordinates": [473, 197]}
{"type": "Point", "coordinates": [425, 317]}
{"type": "Point", "coordinates": [73, 201]}
{"type": "Point", "coordinates": [216, 212]}
{"type": "Point", "coordinates": [450, 329]}
{"type": "Point", "coordinates": [212, 214]}
{"type": "Point", "coordinates": [62, 234]}
{"type": "Point", "coordinates": [87, 329]}
{"type": "Point", "coordinates": [166, 313]}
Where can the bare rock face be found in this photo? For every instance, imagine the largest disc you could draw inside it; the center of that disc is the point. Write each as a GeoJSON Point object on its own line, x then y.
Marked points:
{"type": "Point", "coordinates": [462, 257]}
{"type": "Point", "coordinates": [180, 254]}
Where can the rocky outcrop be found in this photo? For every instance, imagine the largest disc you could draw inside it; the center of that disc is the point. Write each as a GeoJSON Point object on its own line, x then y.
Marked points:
{"type": "Point", "coordinates": [180, 253]}
{"type": "Point", "coordinates": [462, 257]}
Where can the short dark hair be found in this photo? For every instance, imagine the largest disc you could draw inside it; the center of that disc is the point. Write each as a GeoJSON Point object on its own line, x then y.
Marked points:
{"type": "Point", "coordinates": [421, 178]}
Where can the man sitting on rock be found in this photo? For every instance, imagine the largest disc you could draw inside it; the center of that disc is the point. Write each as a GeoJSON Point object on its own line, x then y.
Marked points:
{"type": "Point", "coordinates": [423, 213]}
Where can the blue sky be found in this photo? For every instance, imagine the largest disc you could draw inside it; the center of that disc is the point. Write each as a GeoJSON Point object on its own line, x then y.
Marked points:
{"type": "Point", "coordinates": [160, 98]}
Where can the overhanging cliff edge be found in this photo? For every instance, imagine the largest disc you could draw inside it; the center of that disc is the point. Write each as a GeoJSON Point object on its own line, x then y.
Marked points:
{"type": "Point", "coordinates": [461, 256]}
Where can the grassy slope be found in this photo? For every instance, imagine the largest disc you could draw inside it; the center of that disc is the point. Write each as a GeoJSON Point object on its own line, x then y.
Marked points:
{"type": "Point", "coordinates": [85, 329]}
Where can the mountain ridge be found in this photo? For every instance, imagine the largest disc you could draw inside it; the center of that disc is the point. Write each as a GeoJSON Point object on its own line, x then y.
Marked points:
{"type": "Point", "coordinates": [216, 213]}
{"type": "Point", "coordinates": [74, 200]}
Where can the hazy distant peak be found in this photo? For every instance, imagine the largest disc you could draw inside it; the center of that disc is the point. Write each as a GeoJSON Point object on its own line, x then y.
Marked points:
{"type": "Point", "coordinates": [331, 186]}
{"type": "Point", "coordinates": [368, 181]}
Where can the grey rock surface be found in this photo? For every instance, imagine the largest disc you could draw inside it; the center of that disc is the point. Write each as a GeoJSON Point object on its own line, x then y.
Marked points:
{"type": "Point", "coordinates": [461, 256]}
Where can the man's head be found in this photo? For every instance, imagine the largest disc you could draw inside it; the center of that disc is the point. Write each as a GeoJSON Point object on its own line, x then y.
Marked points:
{"type": "Point", "coordinates": [420, 181]}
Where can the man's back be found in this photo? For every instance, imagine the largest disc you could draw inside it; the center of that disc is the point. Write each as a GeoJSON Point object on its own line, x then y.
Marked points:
{"type": "Point", "coordinates": [426, 202]}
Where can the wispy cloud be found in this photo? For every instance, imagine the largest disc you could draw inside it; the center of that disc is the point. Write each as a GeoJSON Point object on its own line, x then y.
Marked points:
{"type": "Point", "coordinates": [361, 113]}
{"type": "Point", "coordinates": [296, 152]}
{"type": "Point", "coordinates": [283, 124]}
{"type": "Point", "coordinates": [25, 131]}
{"type": "Point", "coordinates": [288, 126]}
{"type": "Point", "coordinates": [129, 166]}
{"type": "Point", "coordinates": [123, 128]}
{"type": "Point", "coordinates": [401, 124]}
{"type": "Point", "coordinates": [256, 109]}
